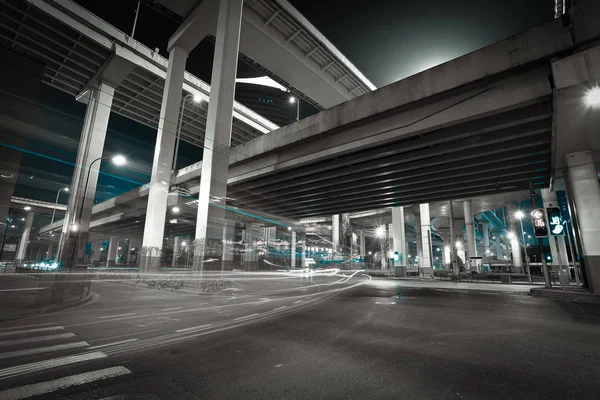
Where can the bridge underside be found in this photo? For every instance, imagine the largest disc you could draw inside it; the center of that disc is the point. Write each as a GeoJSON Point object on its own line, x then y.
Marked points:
{"type": "Point", "coordinates": [494, 154]}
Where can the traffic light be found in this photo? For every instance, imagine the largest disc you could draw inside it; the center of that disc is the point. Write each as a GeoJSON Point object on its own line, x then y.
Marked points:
{"type": "Point", "coordinates": [538, 219]}
{"type": "Point", "coordinates": [555, 221]}
{"type": "Point", "coordinates": [396, 256]}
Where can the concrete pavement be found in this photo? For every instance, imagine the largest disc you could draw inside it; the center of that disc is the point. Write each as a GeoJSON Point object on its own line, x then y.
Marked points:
{"type": "Point", "coordinates": [379, 340]}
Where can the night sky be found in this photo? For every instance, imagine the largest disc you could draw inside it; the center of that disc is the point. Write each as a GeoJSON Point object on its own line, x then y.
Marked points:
{"type": "Point", "coordinates": [387, 40]}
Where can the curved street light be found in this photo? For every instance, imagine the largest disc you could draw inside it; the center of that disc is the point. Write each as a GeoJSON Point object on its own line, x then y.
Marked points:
{"type": "Point", "coordinates": [66, 189]}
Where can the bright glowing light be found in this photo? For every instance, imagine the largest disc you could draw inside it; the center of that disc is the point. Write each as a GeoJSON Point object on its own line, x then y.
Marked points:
{"type": "Point", "coordinates": [511, 235]}
{"type": "Point", "coordinates": [119, 247]}
{"type": "Point", "coordinates": [74, 227]}
{"type": "Point", "coordinates": [292, 99]}
{"type": "Point", "coordinates": [22, 219]}
{"type": "Point", "coordinates": [197, 98]}
{"type": "Point", "coordinates": [133, 249]}
{"type": "Point", "coordinates": [391, 254]}
{"type": "Point", "coordinates": [548, 258]}
{"type": "Point", "coordinates": [459, 245]}
{"type": "Point", "coordinates": [183, 244]}
{"type": "Point", "coordinates": [592, 97]}
{"type": "Point", "coordinates": [519, 214]}
{"type": "Point", "coordinates": [370, 253]}
{"type": "Point", "coordinates": [27, 208]}
{"type": "Point", "coordinates": [102, 249]}
{"type": "Point", "coordinates": [488, 251]}
{"type": "Point", "coordinates": [12, 226]}
{"type": "Point", "coordinates": [289, 228]}
{"type": "Point", "coordinates": [175, 209]}
{"type": "Point", "coordinates": [66, 189]}
{"type": "Point", "coordinates": [119, 160]}
{"type": "Point", "coordinates": [493, 237]}
{"type": "Point", "coordinates": [380, 232]}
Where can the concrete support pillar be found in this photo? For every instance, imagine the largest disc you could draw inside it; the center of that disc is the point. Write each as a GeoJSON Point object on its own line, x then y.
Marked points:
{"type": "Point", "coordinates": [160, 178]}
{"type": "Point", "coordinates": [486, 238]}
{"type": "Point", "coordinates": [176, 251]}
{"type": "Point", "coordinates": [215, 159]}
{"type": "Point", "coordinates": [453, 256]}
{"type": "Point", "coordinates": [251, 236]}
{"type": "Point", "coordinates": [82, 191]}
{"type": "Point", "coordinates": [384, 247]}
{"type": "Point", "coordinates": [228, 249]}
{"type": "Point", "coordinates": [270, 235]}
{"type": "Point", "coordinates": [293, 251]}
{"type": "Point", "coordinates": [335, 231]}
{"type": "Point", "coordinates": [24, 240]}
{"type": "Point", "coordinates": [498, 247]}
{"type": "Point", "coordinates": [419, 238]}
{"type": "Point", "coordinates": [399, 234]}
{"type": "Point", "coordinates": [470, 229]}
{"type": "Point", "coordinates": [50, 252]}
{"type": "Point", "coordinates": [303, 249]}
{"type": "Point", "coordinates": [515, 244]}
{"type": "Point", "coordinates": [426, 265]}
{"type": "Point", "coordinates": [113, 245]}
{"type": "Point", "coordinates": [559, 256]}
{"type": "Point", "coordinates": [361, 239]}
{"type": "Point", "coordinates": [583, 179]}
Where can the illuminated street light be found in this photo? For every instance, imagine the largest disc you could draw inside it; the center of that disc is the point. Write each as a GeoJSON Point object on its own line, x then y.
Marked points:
{"type": "Point", "coordinates": [66, 189]}
{"type": "Point", "coordinates": [119, 160]}
{"type": "Point", "coordinates": [292, 100]}
{"type": "Point", "coordinates": [519, 214]}
{"type": "Point", "coordinates": [380, 232]}
{"type": "Point", "coordinates": [592, 97]}
{"type": "Point", "coordinates": [289, 228]}
{"type": "Point", "coordinates": [459, 244]}
{"type": "Point", "coordinates": [511, 235]}
{"type": "Point", "coordinates": [175, 209]}
{"type": "Point", "coordinates": [27, 208]}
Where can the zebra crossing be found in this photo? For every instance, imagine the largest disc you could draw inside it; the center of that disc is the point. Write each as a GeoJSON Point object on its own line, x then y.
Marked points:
{"type": "Point", "coordinates": [30, 349]}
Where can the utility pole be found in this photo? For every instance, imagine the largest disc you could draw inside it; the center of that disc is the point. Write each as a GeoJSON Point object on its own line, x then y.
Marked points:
{"type": "Point", "coordinates": [547, 282]}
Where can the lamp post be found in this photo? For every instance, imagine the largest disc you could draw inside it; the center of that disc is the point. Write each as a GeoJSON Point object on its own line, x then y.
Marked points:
{"type": "Point", "coordinates": [197, 100]}
{"type": "Point", "coordinates": [520, 215]}
{"type": "Point", "coordinates": [55, 205]}
{"type": "Point", "coordinates": [294, 100]}
{"type": "Point", "coordinates": [118, 160]}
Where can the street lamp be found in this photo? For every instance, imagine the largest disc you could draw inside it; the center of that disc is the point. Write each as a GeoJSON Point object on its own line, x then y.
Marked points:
{"type": "Point", "coordinates": [55, 204]}
{"type": "Point", "coordinates": [380, 232]}
{"type": "Point", "coordinates": [118, 160]}
{"type": "Point", "coordinates": [294, 100]}
{"type": "Point", "coordinates": [520, 215]}
{"type": "Point", "coordinates": [197, 100]}
{"type": "Point", "coordinates": [592, 97]}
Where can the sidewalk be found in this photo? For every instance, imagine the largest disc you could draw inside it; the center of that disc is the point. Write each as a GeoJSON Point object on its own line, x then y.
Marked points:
{"type": "Point", "coordinates": [570, 294]}
{"type": "Point", "coordinates": [458, 285]}
{"type": "Point", "coordinates": [22, 297]}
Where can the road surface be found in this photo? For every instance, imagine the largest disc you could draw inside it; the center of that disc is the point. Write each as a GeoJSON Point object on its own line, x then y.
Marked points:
{"type": "Point", "coordinates": [362, 339]}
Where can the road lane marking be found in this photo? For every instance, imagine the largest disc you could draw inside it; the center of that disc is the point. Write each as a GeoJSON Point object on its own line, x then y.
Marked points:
{"type": "Point", "coordinates": [36, 339]}
{"type": "Point", "coordinates": [45, 349]}
{"type": "Point", "coordinates": [127, 334]}
{"type": "Point", "coordinates": [112, 344]}
{"type": "Point", "coordinates": [279, 308]}
{"type": "Point", "coordinates": [245, 317]}
{"type": "Point", "coordinates": [50, 328]}
{"type": "Point", "coordinates": [193, 328]}
{"type": "Point", "coordinates": [492, 293]}
{"type": "Point", "coordinates": [22, 289]}
{"type": "Point", "coordinates": [118, 315]}
{"type": "Point", "coordinates": [47, 364]}
{"type": "Point", "coordinates": [171, 309]}
{"type": "Point", "coordinates": [27, 326]}
{"type": "Point", "coordinates": [38, 389]}
{"type": "Point", "coordinates": [299, 301]}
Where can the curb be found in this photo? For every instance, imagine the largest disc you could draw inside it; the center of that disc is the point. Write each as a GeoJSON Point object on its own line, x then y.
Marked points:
{"type": "Point", "coordinates": [565, 296]}
{"type": "Point", "coordinates": [51, 310]}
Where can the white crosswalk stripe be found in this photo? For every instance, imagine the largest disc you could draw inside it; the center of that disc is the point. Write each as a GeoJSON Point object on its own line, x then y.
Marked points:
{"type": "Point", "coordinates": [40, 388]}
{"type": "Point", "coordinates": [53, 349]}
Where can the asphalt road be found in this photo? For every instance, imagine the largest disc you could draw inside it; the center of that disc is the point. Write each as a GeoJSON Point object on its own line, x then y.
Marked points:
{"type": "Point", "coordinates": [359, 339]}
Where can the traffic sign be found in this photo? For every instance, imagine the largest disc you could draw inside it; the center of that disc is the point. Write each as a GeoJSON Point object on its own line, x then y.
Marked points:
{"type": "Point", "coordinates": [555, 221]}
{"type": "Point", "coordinates": [538, 219]}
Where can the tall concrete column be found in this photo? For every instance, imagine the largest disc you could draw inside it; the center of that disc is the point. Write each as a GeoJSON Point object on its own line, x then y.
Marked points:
{"type": "Point", "coordinates": [498, 247]}
{"type": "Point", "coordinates": [399, 234]}
{"type": "Point", "coordinates": [427, 264]}
{"type": "Point", "coordinates": [486, 238]}
{"type": "Point", "coordinates": [470, 230]}
{"type": "Point", "coordinates": [160, 178]}
{"type": "Point", "coordinates": [335, 231]}
{"type": "Point", "coordinates": [293, 250]}
{"type": "Point", "coordinates": [361, 239]}
{"type": "Point", "coordinates": [583, 179]}
{"type": "Point", "coordinates": [82, 191]}
{"type": "Point", "coordinates": [303, 249]}
{"type": "Point", "coordinates": [453, 257]}
{"type": "Point", "coordinates": [252, 234]}
{"type": "Point", "coordinates": [111, 257]}
{"type": "Point", "coordinates": [559, 256]}
{"type": "Point", "coordinates": [419, 238]}
{"type": "Point", "coordinates": [515, 244]}
{"type": "Point", "coordinates": [215, 159]}
{"type": "Point", "coordinates": [24, 241]}
{"type": "Point", "coordinates": [176, 251]}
